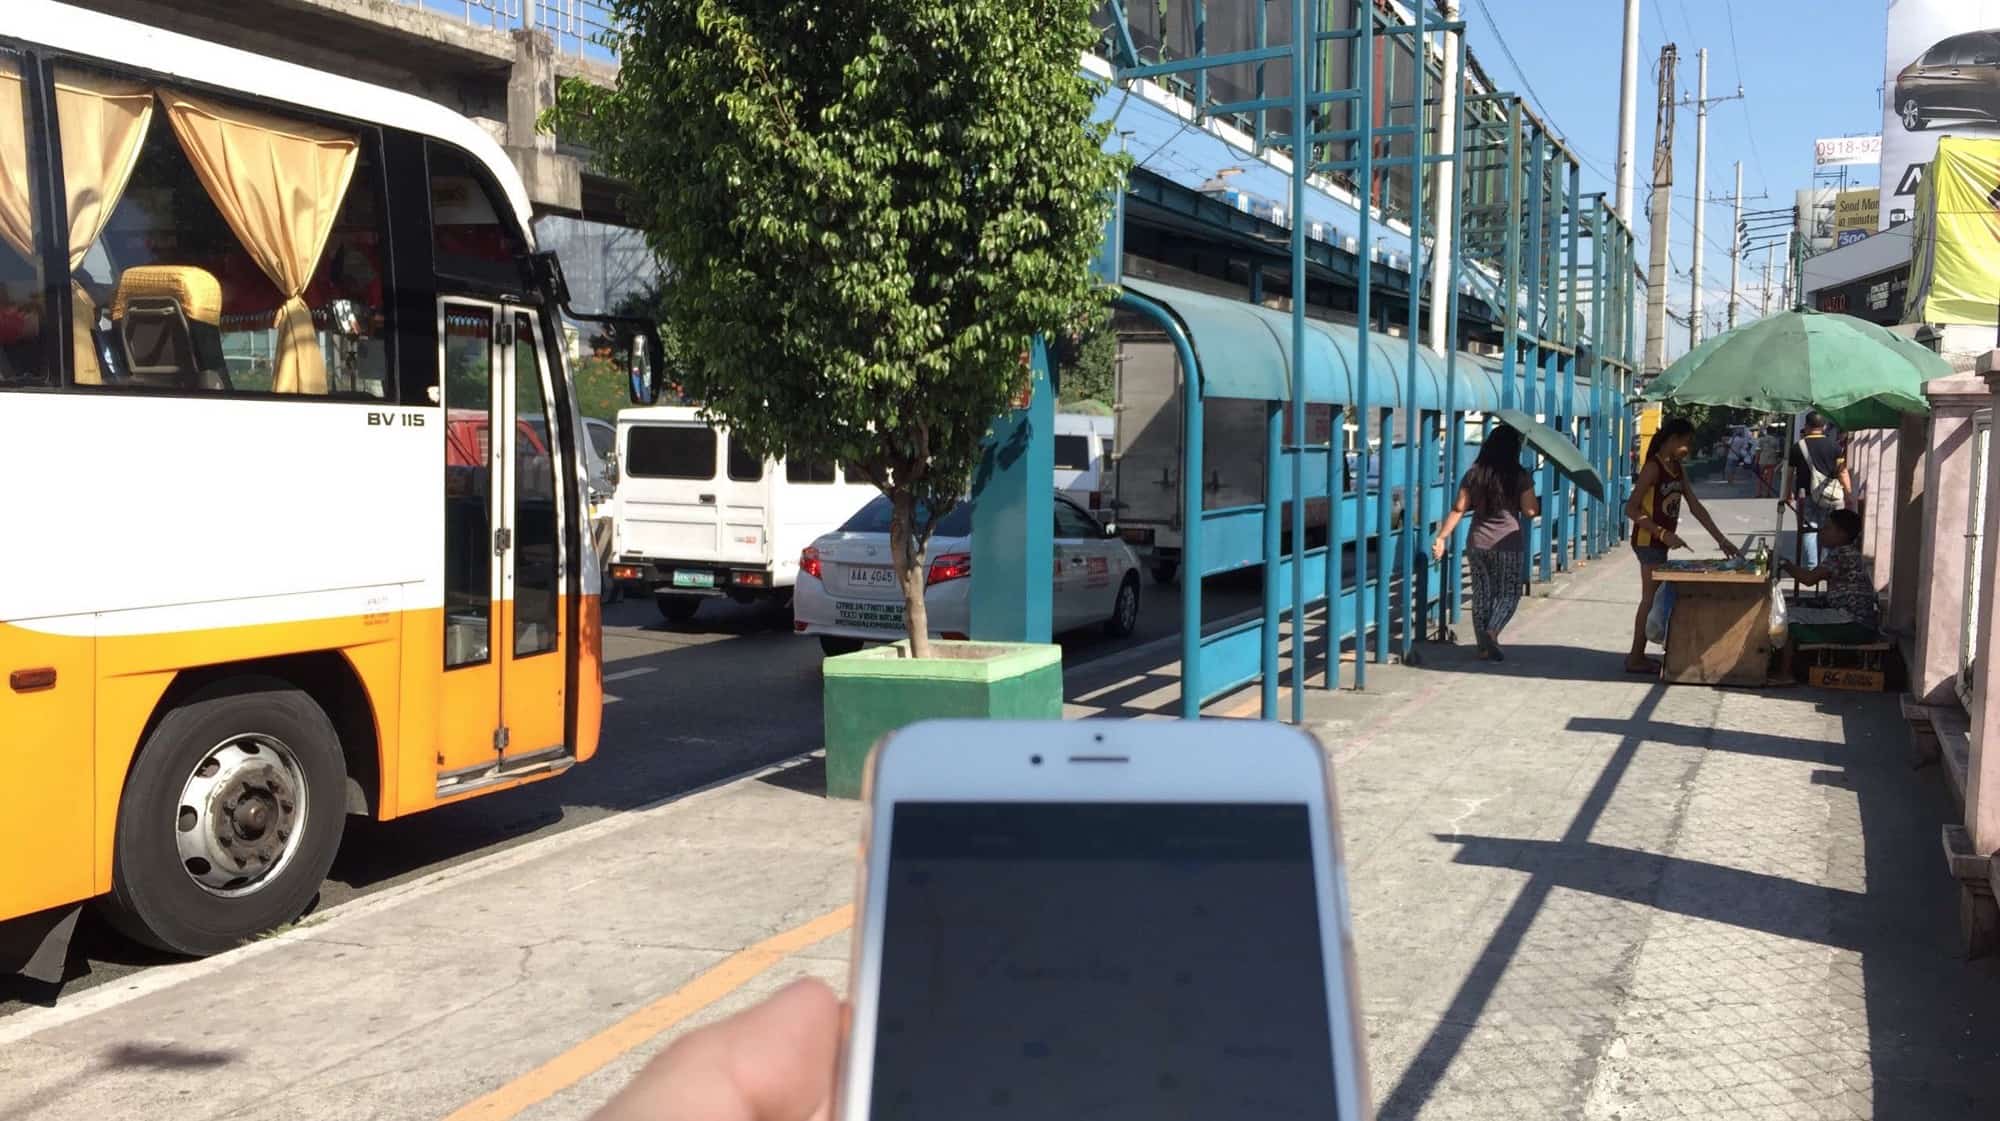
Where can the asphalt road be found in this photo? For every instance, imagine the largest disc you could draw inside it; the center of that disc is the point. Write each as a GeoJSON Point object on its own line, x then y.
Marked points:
{"type": "Point", "coordinates": [687, 705]}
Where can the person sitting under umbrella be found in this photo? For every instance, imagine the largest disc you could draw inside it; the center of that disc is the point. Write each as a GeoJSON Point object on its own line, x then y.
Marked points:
{"type": "Point", "coordinates": [1845, 572]}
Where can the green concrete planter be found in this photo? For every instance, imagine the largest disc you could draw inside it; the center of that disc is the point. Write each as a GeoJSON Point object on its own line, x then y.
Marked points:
{"type": "Point", "coordinates": [876, 691]}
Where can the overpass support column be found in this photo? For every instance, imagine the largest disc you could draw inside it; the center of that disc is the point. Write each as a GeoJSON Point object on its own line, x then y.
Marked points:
{"type": "Point", "coordinates": [555, 181]}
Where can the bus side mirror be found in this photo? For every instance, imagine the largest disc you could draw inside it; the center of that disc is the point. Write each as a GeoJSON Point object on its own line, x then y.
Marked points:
{"type": "Point", "coordinates": [642, 366]}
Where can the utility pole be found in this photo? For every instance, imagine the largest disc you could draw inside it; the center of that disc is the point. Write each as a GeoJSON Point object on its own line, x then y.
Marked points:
{"type": "Point", "coordinates": [1662, 212]}
{"type": "Point", "coordinates": [1700, 191]}
{"type": "Point", "coordinates": [1628, 113]}
{"type": "Point", "coordinates": [1447, 193]}
{"type": "Point", "coordinates": [1790, 257]}
{"type": "Point", "coordinates": [1701, 103]}
{"type": "Point", "coordinates": [1736, 244]}
{"type": "Point", "coordinates": [1765, 308]}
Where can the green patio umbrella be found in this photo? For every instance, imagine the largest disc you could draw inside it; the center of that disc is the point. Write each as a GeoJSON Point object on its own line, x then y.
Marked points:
{"type": "Point", "coordinates": [1561, 452]}
{"type": "Point", "coordinates": [1855, 373]}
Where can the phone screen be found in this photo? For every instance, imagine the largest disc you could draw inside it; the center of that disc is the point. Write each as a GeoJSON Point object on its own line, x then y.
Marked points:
{"type": "Point", "coordinates": [1102, 960]}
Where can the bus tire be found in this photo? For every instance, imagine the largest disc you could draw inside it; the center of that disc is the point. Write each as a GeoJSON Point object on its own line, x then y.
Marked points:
{"type": "Point", "coordinates": [676, 609]}
{"type": "Point", "coordinates": [1164, 571]}
{"type": "Point", "coordinates": [231, 815]}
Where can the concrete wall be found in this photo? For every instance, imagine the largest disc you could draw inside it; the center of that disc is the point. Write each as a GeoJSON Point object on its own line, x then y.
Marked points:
{"type": "Point", "coordinates": [501, 79]}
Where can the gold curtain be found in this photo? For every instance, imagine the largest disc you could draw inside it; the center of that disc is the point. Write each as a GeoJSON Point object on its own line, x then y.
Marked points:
{"type": "Point", "coordinates": [17, 217]}
{"type": "Point", "coordinates": [103, 125]}
{"type": "Point", "coordinates": [279, 183]}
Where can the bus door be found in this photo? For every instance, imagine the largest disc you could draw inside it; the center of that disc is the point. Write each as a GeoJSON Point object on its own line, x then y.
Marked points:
{"type": "Point", "coordinates": [503, 643]}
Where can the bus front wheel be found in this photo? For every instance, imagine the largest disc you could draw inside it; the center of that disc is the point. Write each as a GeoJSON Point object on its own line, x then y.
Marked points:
{"type": "Point", "coordinates": [231, 814]}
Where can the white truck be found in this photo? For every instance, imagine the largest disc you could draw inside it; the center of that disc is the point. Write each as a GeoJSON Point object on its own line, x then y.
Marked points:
{"type": "Point", "coordinates": [1083, 451]}
{"type": "Point", "coordinates": [695, 517]}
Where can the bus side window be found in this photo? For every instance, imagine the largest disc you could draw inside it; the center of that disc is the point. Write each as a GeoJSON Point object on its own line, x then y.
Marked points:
{"type": "Point", "coordinates": [208, 269]}
{"type": "Point", "coordinates": [471, 235]}
{"type": "Point", "coordinates": [26, 358]}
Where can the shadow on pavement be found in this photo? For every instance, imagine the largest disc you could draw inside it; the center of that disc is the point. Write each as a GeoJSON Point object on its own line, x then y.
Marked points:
{"type": "Point", "coordinates": [685, 717]}
{"type": "Point", "coordinates": [1427, 1069]}
{"type": "Point", "coordinates": [166, 1056]}
{"type": "Point", "coordinates": [807, 776]}
{"type": "Point", "coordinates": [1933, 1035]}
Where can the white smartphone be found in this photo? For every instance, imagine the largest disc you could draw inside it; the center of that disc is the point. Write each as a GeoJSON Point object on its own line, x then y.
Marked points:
{"type": "Point", "coordinates": [1140, 921]}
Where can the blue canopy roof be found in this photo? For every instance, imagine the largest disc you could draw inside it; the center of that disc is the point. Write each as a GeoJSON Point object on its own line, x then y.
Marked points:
{"type": "Point", "coordinates": [1245, 351]}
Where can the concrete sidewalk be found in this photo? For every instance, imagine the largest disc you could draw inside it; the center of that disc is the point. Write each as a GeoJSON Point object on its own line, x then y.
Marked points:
{"type": "Point", "coordinates": [1577, 894]}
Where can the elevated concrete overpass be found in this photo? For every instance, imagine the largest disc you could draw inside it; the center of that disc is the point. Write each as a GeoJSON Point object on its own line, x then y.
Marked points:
{"type": "Point", "coordinates": [496, 61]}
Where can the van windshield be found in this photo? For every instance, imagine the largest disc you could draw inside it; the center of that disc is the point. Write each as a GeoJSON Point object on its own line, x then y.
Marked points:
{"type": "Point", "coordinates": [874, 518]}
{"type": "Point", "coordinates": [670, 452]}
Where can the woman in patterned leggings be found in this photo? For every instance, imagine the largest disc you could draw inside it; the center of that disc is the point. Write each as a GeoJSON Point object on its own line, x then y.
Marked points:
{"type": "Point", "coordinates": [1498, 493]}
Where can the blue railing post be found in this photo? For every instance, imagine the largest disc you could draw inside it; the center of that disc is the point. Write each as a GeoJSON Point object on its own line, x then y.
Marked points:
{"type": "Point", "coordinates": [1384, 522]}
{"type": "Point", "coordinates": [1201, 51]}
{"type": "Point", "coordinates": [1531, 359]}
{"type": "Point", "coordinates": [1336, 540]}
{"type": "Point", "coordinates": [1413, 482]}
{"type": "Point", "coordinates": [1013, 519]}
{"type": "Point", "coordinates": [1191, 467]}
{"type": "Point", "coordinates": [1365, 258]}
{"type": "Point", "coordinates": [1302, 40]}
{"type": "Point", "coordinates": [1454, 437]}
{"type": "Point", "coordinates": [1274, 418]}
{"type": "Point", "coordinates": [1510, 288]}
{"type": "Point", "coordinates": [1428, 453]}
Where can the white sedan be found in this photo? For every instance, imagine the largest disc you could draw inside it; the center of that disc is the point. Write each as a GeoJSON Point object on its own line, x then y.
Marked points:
{"type": "Point", "coordinates": [847, 592]}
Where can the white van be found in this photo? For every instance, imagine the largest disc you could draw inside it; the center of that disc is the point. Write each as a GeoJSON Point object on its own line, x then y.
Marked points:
{"type": "Point", "coordinates": [695, 518]}
{"type": "Point", "coordinates": [1083, 457]}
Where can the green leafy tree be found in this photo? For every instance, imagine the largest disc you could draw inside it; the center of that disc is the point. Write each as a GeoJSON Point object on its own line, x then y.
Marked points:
{"type": "Point", "coordinates": [1086, 366]}
{"type": "Point", "coordinates": [865, 213]}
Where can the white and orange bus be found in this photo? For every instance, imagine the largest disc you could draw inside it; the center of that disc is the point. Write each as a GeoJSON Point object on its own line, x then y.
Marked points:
{"type": "Point", "coordinates": [262, 563]}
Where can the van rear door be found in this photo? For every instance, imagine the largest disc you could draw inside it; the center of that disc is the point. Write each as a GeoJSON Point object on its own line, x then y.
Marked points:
{"type": "Point", "coordinates": [669, 496]}
{"type": "Point", "coordinates": [744, 497]}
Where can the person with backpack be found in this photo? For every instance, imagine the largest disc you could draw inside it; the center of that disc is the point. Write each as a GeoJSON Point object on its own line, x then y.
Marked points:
{"type": "Point", "coordinates": [1820, 481]}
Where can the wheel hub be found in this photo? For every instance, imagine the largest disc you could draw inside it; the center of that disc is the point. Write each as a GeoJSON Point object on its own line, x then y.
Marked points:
{"type": "Point", "coordinates": [240, 815]}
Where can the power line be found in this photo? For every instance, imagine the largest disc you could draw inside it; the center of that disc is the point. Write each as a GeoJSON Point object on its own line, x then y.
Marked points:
{"type": "Point", "coordinates": [1536, 98]}
{"type": "Point", "coordinates": [1749, 123]}
{"type": "Point", "coordinates": [1515, 63]}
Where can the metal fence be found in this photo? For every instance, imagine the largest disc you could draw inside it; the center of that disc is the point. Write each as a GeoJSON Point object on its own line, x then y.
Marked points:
{"type": "Point", "coordinates": [578, 27]}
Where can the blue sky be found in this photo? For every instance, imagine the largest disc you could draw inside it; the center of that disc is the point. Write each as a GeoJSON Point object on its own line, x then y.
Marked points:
{"type": "Point", "coordinates": [1807, 71]}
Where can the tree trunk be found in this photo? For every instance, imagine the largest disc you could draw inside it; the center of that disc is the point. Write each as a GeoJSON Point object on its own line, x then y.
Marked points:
{"type": "Point", "coordinates": [909, 561]}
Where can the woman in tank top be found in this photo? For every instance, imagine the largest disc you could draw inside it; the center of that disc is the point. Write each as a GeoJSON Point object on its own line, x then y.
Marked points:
{"type": "Point", "coordinates": [1498, 493]}
{"type": "Point", "coordinates": [1658, 497]}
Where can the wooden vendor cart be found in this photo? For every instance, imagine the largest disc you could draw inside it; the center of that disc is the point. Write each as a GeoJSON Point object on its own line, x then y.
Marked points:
{"type": "Point", "coordinates": [1719, 632]}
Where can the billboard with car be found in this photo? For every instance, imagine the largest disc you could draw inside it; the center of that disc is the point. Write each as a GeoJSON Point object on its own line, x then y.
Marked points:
{"type": "Point", "coordinates": [1943, 79]}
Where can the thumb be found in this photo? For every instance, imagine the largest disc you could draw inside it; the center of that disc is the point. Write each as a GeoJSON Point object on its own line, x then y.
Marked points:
{"type": "Point", "coordinates": [772, 1062]}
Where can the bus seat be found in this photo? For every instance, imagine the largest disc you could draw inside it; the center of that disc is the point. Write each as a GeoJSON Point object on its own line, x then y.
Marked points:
{"type": "Point", "coordinates": [169, 319]}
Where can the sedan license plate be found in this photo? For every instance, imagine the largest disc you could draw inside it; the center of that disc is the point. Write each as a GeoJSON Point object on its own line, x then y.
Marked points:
{"type": "Point", "coordinates": [871, 577]}
{"type": "Point", "coordinates": [687, 578]}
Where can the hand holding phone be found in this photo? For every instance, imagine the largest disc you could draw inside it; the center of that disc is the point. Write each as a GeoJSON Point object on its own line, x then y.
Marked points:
{"type": "Point", "coordinates": [1122, 921]}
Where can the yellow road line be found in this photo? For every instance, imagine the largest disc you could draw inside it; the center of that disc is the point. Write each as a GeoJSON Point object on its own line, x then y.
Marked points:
{"type": "Point", "coordinates": [593, 1054]}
